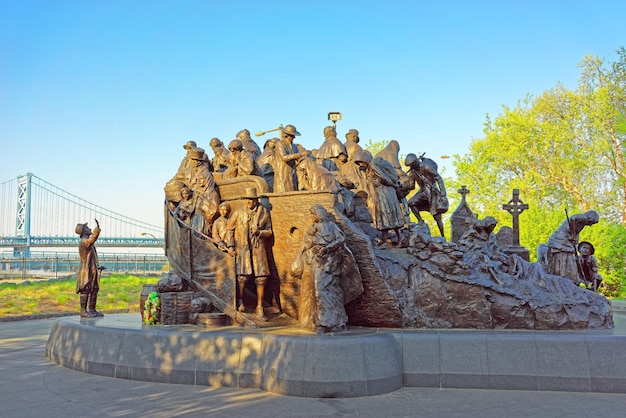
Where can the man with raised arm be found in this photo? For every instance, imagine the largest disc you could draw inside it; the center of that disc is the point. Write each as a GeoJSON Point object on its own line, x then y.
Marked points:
{"type": "Point", "coordinates": [88, 277]}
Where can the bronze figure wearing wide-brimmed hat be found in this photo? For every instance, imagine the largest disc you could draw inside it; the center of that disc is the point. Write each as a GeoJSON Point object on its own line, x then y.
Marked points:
{"type": "Point", "coordinates": [290, 130]}
{"type": "Point", "coordinates": [80, 228]}
{"type": "Point", "coordinates": [196, 154]}
{"type": "Point", "coordinates": [592, 249]}
{"type": "Point", "coordinates": [190, 145]}
{"type": "Point", "coordinates": [250, 193]}
{"type": "Point", "coordinates": [88, 275]}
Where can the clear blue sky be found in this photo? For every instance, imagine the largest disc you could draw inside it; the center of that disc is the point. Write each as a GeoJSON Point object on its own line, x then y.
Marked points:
{"type": "Point", "coordinates": [98, 97]}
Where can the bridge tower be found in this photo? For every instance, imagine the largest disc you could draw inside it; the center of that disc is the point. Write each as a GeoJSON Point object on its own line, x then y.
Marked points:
{"type": "Point", "coordinates": [22, 224]}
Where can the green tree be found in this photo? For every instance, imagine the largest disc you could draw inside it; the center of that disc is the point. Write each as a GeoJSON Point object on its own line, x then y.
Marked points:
{"type": "Point", "coordinates": [562, 149]}
{"type": "Point", "coordinates": [609, 241]}
{"type": "Point", "coordinates": [375, 147]}
{"type": "Point", "coordinates": [603, 89]}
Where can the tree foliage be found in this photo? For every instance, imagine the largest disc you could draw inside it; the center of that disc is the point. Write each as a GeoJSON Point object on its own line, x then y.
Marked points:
{"type": "Point", "coordinates": [562, 149]}
{"type": "Point", "coordinates": [565, 147]}
{"type": "Point", "coordinates": [375, 147]}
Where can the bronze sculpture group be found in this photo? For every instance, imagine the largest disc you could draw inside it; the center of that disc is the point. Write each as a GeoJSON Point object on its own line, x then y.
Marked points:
{"type": "Point", "coordinates": [358, 259]}
{"type": "Point", "coordinates": [246, 233]}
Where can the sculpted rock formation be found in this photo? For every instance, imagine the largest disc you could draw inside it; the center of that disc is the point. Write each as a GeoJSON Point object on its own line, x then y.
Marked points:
{"type": "Point", "coordinates": [439, 284]}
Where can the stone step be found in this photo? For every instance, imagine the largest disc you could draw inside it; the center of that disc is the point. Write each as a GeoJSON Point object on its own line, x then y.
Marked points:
{"type": "Point", "coordinates": [213, 319]}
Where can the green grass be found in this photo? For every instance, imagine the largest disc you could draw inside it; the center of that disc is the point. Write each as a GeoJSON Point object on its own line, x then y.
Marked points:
{"type": "Point", "coordinates": [116, 292]}
{"type": "Point", "coordinates": [41, 297]}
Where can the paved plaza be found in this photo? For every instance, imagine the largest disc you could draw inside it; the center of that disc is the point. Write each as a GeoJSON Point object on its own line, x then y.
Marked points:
{"type": "Point", "coordinates": [33, 386]}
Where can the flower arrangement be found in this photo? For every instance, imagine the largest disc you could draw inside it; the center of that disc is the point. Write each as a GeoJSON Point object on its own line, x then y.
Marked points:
{"type": "Point", "coordinates": [151, 309]}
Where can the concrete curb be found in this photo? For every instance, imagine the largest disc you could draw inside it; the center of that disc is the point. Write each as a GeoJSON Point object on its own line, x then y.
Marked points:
{"type": "Point", "coordinates": [359, 362]}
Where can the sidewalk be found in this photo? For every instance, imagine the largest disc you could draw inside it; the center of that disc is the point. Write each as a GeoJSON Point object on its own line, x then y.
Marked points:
{"type": "Point", "coordinates": [32, 386]}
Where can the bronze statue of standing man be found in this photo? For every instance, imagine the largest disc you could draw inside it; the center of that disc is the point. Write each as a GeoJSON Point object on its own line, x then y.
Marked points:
{"type": "Point", "coordinates": [88, 277]}
{"type": "Point", "coordinates": [249, 232]}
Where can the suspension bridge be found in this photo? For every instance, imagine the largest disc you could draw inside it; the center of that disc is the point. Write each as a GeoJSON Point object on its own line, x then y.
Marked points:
{"type": "Point", "coordinates": [35, 213]}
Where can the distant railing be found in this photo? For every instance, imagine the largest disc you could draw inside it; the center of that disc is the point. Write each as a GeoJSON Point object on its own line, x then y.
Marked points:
{"type": "Point", "coordinates": [73, 242]}
{"type": "Point", "coordinates": [63, 264]}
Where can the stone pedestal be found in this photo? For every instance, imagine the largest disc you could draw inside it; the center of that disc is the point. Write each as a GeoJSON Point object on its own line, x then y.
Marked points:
{"type": "Point", "coordinates": [216, 319]}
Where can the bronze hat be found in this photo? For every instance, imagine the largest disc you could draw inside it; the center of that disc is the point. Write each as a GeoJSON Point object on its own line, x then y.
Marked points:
{"type": "Point", "coordinates": [250, 193]}
{"type": "Point", "coordinates": [410, 159]}
{"type": "Point", "coordinates": [291, 130]}
{"type": "Point", "coordinates": [79, 228]}
{"type": "Point", "coordinates": [354, 132]}
{"type": "Point", "coordinates": [189, 145]}
{"type": "Point", "coordinates": [196, 154]}
{"type": "Point", "coordinates": [593, 250]}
